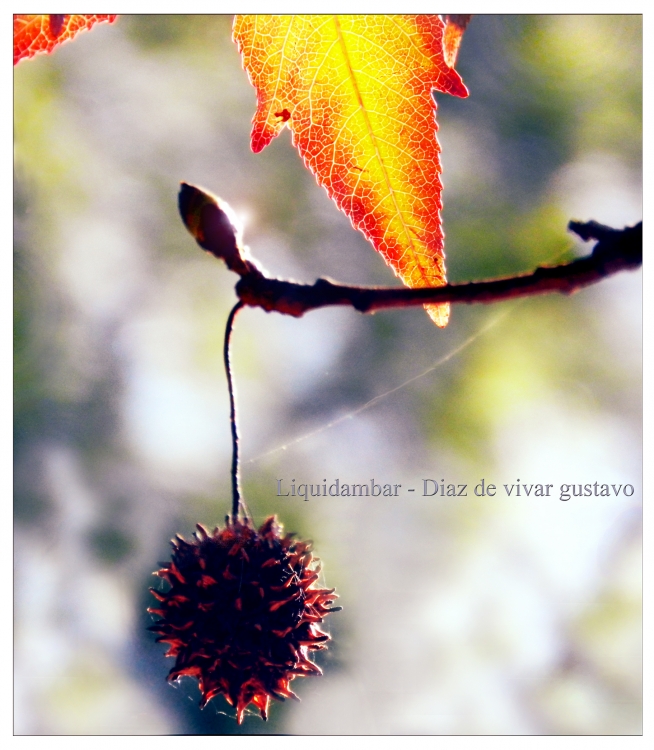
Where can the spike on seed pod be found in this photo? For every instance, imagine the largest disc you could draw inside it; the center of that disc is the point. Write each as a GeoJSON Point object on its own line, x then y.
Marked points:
{"type": "Point", "coordinates": [245, 636]}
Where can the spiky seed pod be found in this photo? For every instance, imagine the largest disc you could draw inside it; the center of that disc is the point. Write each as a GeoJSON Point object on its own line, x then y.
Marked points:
{"type": "Point", "coordinates": [241, 612]}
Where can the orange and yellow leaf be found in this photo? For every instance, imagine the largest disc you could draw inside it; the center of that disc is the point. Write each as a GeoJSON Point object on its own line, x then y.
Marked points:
{"type": "Point", "coordinates": [42, 33]}
{"type": "Point", "coordinates": [356, 92]}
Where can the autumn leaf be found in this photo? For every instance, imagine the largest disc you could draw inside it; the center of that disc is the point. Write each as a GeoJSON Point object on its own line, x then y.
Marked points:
{"type": "Point", "coordinates": [42, 33]}
{"type": "Point", "coordinates": [356, 92]}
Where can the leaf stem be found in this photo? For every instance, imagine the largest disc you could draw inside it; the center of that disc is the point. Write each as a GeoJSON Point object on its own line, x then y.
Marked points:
{"type": "Point", "coordinates": [236, 481]}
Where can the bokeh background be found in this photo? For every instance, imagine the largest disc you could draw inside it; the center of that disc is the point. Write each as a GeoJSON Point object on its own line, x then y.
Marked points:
{"type": "Point", "coordinates": [461, 616]}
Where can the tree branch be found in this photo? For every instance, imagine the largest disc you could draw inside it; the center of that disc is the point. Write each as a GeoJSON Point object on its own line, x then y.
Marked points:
{"type": "Point", "coordinates": [209, 221]}
{"type": "Point", "coordinates": [616, 250]}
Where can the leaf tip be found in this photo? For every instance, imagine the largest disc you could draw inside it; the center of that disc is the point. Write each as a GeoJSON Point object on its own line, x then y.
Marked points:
{"type": "Point", "coordinates": [265, 127]}
{"type": "Point", "coordinates": [455, 26]}
{"type": "Point", "coordinates": [454, 85]}
{"type": "Point", "coordinates": [440, 314]}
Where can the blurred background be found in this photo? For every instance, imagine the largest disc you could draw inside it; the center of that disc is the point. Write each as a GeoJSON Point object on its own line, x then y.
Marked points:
{"type": "Point", "coordinates": [460, 615]}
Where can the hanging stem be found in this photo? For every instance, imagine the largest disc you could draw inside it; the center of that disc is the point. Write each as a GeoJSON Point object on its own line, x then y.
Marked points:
{"type": "Point", "coordinates": [236, 489]}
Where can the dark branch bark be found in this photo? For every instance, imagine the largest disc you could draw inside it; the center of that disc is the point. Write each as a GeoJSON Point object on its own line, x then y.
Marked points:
{"type": "Point", "coordinates": [616, 250]}
{"type": "Point", "coordinates": [208, 219]}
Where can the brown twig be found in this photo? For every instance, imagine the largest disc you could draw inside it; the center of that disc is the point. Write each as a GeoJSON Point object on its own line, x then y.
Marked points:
{"type": "Point", "coordinates": [209, 221]}
{"type": "Point", "coordinates": [616, 250]}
